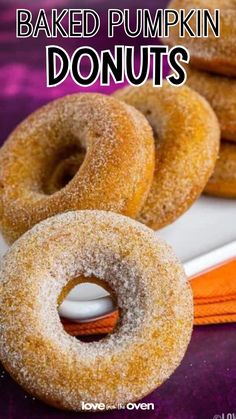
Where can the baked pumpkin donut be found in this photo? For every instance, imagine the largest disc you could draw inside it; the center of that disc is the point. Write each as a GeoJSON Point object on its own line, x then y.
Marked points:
{"type": "Point", "coordinates": [213, 54]}
{"type": "Point", "coordinates": [223, 181]}
{"type": "Point", "coordinates": [114, 143]}
{"type": "Point", "coordinates": [154, 300]}
{"type": "Point", "coordinates": [221, 93]}
{"type": "Point", "coordinates": [187, 144]}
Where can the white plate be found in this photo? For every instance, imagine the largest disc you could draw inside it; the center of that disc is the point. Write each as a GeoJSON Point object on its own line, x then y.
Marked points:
{"type": "Point", "coordinates": [202, 238]}
{"type": "Point", "coordinates": [210, 223]}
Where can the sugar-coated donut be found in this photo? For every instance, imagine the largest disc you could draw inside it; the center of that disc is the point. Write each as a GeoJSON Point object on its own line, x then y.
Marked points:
{"type": "Point", "coordinates": [210, 53]}
{"type": "Point", "coordinates": [223, 181]}
{"type": "Point", "coordinates": [153, 296]}
{"type": "Point", "coordinates": [221, 93]}
{"type": "Point", "coordinates": [115, 141]}
{"type": "Point", "coordinates": [187, 144]}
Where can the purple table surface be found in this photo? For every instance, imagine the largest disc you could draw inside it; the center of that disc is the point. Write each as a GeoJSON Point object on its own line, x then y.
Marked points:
{"type": "Point", "coordinates": [204, 386]}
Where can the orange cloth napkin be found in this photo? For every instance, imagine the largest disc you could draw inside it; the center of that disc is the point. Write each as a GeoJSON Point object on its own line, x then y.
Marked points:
{"type": "Point", "coordinates": [101, 326]}
{"type": "Point", "coordinates": [214, 295]}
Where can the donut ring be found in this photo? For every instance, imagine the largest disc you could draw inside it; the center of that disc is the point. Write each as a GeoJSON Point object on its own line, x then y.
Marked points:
{"type": "Point", "coordinates": [213, 54]}
{"type": "Point", "coordinates": [154, 299]}
{"type": "Point", "coordinates": [116, 173]}
{"type": "Point", "coordinates": [187, 144]}
{"type": "Point", "coordinates": [223, 181]}
{"type": "Point", "coordinates": [221, 94]}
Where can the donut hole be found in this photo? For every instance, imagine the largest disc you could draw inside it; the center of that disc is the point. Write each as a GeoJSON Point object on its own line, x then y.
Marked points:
{"type": "Point", "coordinates": [88, 309]}
{"type": "Point", "coordinates": [66, 165]}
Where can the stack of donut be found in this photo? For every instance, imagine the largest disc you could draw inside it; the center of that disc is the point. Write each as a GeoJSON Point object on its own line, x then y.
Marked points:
{"type": "Point", "coordinates": [70, 174]}
{"type": "Point", "coordinates": [145, 153]}
{"type": "Point", "coordinates": [212, 73]}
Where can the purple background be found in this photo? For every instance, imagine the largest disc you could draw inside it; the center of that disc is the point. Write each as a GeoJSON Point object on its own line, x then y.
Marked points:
{"type": "Point", "coordinates": [205, 383]}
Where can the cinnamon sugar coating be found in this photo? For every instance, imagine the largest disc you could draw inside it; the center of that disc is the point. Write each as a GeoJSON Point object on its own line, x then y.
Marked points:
{"type": "Point", "coordinates": [223, 181]}
{"type": "Point", "coordinates": [187, 143]}
{"type": "Point", "coordinates": [115, 141]}
{"type": "Point", "coordinates": [213, 54]}
{"type": "Point", "coordinates": [221, 94]}
{"type": "Point", "coordinates": [154, 299]}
